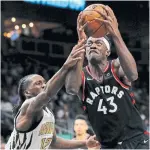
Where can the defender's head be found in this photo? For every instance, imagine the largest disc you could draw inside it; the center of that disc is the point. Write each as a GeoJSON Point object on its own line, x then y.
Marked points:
{"type": "Point", "coordinates": [98, 49]}
{"type": "Point", "coordinates": [30, 86]}
{"type": "Point", "coordinates": [80, 125]}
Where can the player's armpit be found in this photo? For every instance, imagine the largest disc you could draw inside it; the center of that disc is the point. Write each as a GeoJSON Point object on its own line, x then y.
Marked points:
{"type": "Point", "coordinates": [25, 117]}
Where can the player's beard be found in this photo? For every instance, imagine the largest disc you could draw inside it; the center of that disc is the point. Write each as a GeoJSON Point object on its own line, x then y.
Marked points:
{"type": "Point", "coordinates": [95, 58]}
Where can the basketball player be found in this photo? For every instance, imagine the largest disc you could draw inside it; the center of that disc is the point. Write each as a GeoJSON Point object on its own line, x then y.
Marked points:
{"type": "Point", "coordinates": [81, 129]}
{"type": "Point", "coordinates": [105, 89]}
{"type": "Point", "coordinates": [34, 123]}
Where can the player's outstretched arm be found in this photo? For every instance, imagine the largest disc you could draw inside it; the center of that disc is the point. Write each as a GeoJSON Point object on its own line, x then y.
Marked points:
{"type": "Point", "coordinates": [32, 107]}
{"type": "Point", "coordinates": [73, 79]}
{"type": "Point", "coordinates": [126, 59]}
{"type": "Point", "coordinates": [60, 143]}
{"type": "Point", "coordinates": [55, 83]}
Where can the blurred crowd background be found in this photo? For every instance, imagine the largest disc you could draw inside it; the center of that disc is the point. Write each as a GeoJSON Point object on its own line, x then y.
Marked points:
{"type": "Point", "coordinates": [37, 38]}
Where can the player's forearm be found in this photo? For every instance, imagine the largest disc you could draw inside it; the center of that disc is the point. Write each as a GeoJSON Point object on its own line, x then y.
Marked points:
{"type": "Point", "coordinates": [67, 144]}
{"type": "Point", "coordinates": [56, 82]}
{"type": "Point", "coordinates": [52, 87]}
{"type": "Point", "coordinates": [126, 59]}
{"type": "Point", "coordinates": [74, 78]}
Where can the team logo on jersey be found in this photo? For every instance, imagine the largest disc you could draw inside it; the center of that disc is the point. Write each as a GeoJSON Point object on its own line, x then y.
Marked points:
{"type": "Point", "coordinates": [108, 75]}
{"type": "Point", "coordinates": [89, 78]}
{"type": "Point", "coordinates": [107, 89]}
{"type": "Point", "coordinates": [47, 128]}
{"type": "Point", "coordinates": [119, 143]}
{"type": "Point", "coordinates": [145, 141]}
{"type": "Point", "coordinates": [45, 143]}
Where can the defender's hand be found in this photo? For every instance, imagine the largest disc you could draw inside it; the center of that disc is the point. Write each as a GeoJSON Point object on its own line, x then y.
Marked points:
{"type": "Point", "coordinates": [75, 55]}
{"type": "Point", "coordinates": [92, 142]}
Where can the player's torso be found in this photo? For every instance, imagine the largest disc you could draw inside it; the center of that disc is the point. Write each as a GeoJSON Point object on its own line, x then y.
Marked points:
{"type": "Point", "coordinates": [109, 105]}
{"type": "Point", "coordinates": [39, 138]}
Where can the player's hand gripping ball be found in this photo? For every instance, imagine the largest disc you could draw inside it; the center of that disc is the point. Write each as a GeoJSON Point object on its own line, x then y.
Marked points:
{"type": "Point", "coordinates": [93, 27]}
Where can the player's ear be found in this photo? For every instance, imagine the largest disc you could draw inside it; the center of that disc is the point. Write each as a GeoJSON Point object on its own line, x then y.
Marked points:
{"type": "Point", "coordinates": [107, 53]}
{"type": "Point", "coordinates": [27, 93]}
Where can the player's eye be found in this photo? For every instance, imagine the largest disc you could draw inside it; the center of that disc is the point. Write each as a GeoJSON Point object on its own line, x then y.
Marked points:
{"type": "Point", "coordinates": [38, 83]}
{"type": "Point", "coordinates": [89, 43]}
{"type": "Point", "coordinates": [99, 43]}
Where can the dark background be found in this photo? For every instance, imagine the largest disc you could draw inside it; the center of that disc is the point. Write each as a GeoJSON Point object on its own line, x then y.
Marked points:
{"type": "Point", "coordinates": [43, 49]}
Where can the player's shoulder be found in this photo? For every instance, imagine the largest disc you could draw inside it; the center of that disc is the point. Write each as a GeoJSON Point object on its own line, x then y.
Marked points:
{"type": "Point", "coordinates": [24, 108]}
{"type": "Point", "coordinates": [115, 62]}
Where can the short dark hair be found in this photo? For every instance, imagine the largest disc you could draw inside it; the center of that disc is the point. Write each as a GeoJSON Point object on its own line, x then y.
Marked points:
{"type": "Point", "coordinates": [22, 86]}
{"type": "Point", "coordinates": [82, 117]}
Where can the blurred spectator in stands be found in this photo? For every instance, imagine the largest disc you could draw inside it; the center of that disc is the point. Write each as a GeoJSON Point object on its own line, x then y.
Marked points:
{"type": "Point", "coordinates": [81, 129]}
{"type": "Point", "coordinates": [13, 96]}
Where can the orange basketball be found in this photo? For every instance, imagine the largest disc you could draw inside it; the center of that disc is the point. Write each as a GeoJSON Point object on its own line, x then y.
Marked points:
{"type": "Point", "coordinates": [94, 28]}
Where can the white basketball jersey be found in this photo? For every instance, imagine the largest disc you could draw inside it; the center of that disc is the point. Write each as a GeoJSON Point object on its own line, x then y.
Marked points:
{"type": "Point", "coordinates": [39, 138]}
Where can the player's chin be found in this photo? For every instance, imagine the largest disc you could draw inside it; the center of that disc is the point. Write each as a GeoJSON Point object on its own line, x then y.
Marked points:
{"type": "Point", "coordinates": [94, 58]}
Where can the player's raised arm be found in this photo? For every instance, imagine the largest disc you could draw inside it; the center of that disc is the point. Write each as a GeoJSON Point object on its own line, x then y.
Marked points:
{"type": "Point", "coordinates": [126, 60]}
{"type": "Point", "coordinates": [74, 77]}
{"type": "Point", "coordinates": [36, 94]}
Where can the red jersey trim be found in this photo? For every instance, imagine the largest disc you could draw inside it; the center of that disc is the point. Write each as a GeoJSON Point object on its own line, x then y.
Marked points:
{"type": "Point", "coordinates": [116, 77]}
{"type": "Point", "coordinates": [146, 132]}
{"type": "Point", "coordinates": [83, 86]}
{"type": "Point", "coordinates": [132, 94]}
{"type": "Point", "coordinates": [133, 101]}
{"type": "Point", "coordinates": [88, 70]}
{"type": "Point", "coordinates": [106, 67]}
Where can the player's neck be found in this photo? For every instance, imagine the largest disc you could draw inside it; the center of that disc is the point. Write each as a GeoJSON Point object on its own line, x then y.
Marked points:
{"type": "Point", "coordinates": [81, 137]}
{"type": "Point", "coordinates": [97, 70]}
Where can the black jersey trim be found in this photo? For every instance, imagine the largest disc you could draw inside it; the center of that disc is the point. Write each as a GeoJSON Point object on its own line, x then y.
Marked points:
{"type": "Point", "coordinates": [117, 79]}
{"type": "Point", "coordinates": [83, 86]}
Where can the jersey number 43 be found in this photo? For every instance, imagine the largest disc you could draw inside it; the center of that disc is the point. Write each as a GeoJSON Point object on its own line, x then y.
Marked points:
{"type": "Point", "coordinates": [104, 109]}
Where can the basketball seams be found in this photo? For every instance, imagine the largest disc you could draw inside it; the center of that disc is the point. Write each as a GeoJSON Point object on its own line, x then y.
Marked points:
{"type": "Point", "coordinates": [93, 28]}
{"type": "Point", "coordinates": [97, 29]}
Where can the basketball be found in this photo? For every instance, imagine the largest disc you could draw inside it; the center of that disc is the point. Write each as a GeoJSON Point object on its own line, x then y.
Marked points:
{"type": "Point", "coordinates": [94, 28]}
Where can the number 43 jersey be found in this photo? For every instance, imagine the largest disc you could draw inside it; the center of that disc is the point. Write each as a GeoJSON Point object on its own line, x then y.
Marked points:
{"type": "Point", "coordinates": [110, 107]}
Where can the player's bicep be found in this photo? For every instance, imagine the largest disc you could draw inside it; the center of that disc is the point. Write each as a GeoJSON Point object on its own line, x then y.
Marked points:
{"type": "Point", "coordinates": [23, 121]}
{"type": "Point", "coordinates": [120, 73]}
{"type": "Point", "coordinates": [36, 103]}
{"type": "Point", "coordinates": [33, 105]}
{"type": "Point", "coordinates": [118, 69]}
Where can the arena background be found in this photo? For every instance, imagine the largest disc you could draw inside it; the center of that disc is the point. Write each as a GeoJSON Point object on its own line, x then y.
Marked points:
{"type": "Point", "coordinates": [37, 38]}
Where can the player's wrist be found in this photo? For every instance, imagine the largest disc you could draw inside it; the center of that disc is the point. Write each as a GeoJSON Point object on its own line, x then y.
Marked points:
{"type": "Point", "coordinates": [116, 35]}
{"type": "Point", "coordinates": [64, 69]}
